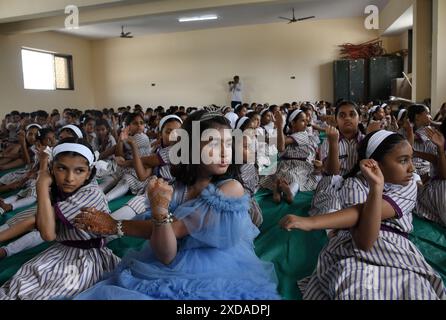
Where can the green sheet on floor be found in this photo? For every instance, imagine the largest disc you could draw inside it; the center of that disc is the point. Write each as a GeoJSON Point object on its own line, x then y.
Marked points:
{"type": "Point", "coordinates": [294, 254]}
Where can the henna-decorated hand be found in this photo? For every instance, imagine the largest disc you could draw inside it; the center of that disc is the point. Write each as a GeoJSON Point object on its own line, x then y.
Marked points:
{"type": "Point", "coordinates": [95, 221]}
{"type": "Point", "coordinates": [160, 194]}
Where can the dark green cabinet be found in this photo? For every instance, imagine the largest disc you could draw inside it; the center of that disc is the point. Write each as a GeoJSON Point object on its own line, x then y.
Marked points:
{"type": "Point", "coordinates": [360, 80]}
{"type": "Point", "coordinates": [380, 74]}
{"type": "Point", "coordinates": [349, 78]}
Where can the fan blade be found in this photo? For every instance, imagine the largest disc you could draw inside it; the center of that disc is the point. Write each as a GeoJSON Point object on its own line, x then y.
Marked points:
{"type": "Point", "coordinates": [285, 18]}
{"type": "Point", "coordinates": [127, 34]}
{"type": "Point", "coordinates": [306, 18]}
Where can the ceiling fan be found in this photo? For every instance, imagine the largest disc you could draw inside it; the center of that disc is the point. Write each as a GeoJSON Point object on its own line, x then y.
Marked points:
{"type": "Point", "coordinates": [127, 35]}
{"type": "Point", "coordinates": [296, 20]}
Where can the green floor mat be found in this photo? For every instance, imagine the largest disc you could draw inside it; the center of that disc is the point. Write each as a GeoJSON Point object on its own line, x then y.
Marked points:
{"type": "Point", "coordinates": [294, 253]}
{"type": "Point", "coordinates": [430, 239]}
{"type": "Point", "coordinates": [121, 246]}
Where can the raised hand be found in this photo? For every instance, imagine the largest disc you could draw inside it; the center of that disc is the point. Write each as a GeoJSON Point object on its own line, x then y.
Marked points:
{"type": "Point", "coordinates": [120, 161]}
{"type": "Point", "coordinates": [435, 136]}
{"type": "Point", "coordinates": [124, 135]}
{"type": "Point", "coordinates": [332, 134]}
{"type": "Point", "coordinates": [131, 140]}
{"type": "Point", "coordinates": [160, 194]}
{"type": "Point", "coordinates": [409, 131]}
{"type": "Point", "coordinates": [317, 164]}
{"type": "Point", "coordinates": [278, 120]}
{"type": "Point", "coordinates": [42, 156]}
{"type": "Point", "coordinates": [331, 120]}
{"type": "Point", "coordinates": [95, 221]}
{"type": "Point", "coordinates": [372, 172]}
{"type": "Point", "coordinates": [295, 222]}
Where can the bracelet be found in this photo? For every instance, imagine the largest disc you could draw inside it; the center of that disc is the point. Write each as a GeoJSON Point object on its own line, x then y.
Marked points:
{"type": "Point", "coordinates": [119, 231]}
{"type": "Point", "coordinates": [167, 220]}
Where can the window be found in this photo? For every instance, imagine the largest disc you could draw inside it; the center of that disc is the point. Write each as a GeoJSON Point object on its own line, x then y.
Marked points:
{"type": "Point", "coordinates": [47, 71]}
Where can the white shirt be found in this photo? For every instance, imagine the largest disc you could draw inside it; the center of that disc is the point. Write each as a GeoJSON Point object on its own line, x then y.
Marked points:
{"type": "Point", "coordinates": [232, 117]}
{"type": "Point", "coordinates": [236, 92]}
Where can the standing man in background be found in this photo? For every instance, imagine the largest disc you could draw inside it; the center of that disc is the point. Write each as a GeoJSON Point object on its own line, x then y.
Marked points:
{"type": "Point", "coordinates": [235, 87]}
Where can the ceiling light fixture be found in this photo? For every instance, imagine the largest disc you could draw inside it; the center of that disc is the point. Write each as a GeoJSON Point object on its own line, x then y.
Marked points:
{"type": "Point", "coordinates": [200, 18]}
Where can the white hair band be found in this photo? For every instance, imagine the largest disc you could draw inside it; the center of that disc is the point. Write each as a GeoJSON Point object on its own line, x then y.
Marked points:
{"type": "Point", "coordinates": [373, 109]}
{"type": "Point", "coordinates": [171, 116]}
{"type": "Point", "coordinates": [294, 115]}
{"type": "Point", "coordinates": [401, 113]}
{"type": "Point", "coordinates": [376, 140]}
{"type": "Point", "coordinates": [33, 125]}
{"type": "Point", "coordinates": [240, 122]}
{"type": "Point", "coordinates": [76, 130]}
{"type": "Point", "coordinates": [77, 148]}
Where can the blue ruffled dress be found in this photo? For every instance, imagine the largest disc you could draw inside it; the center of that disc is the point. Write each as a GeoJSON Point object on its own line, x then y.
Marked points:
{"type": "Point", "coordinates": [215, 261]}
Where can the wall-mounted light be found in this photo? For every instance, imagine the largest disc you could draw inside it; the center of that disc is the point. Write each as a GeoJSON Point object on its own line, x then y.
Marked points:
{"type": "Point", "coordinates": [199, 18]}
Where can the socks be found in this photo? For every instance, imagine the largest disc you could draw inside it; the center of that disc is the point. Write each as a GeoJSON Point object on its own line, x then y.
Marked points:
{"type": "Point", "coordinates": [121, 189]}
{"type": "Point", "coordinates": [29, 240]}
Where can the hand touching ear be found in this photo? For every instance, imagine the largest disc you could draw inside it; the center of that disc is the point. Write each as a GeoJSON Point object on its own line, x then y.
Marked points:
{"type": "Point", "coordinates": [372, 172]}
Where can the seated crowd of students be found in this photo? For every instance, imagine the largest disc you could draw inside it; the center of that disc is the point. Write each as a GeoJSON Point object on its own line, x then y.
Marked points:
{"type": "Point", "coordinates": [370, 167]}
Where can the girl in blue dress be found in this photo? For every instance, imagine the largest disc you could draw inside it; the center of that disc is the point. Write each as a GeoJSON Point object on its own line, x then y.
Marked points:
{"type": "Point", "coordinates": [201, 235]}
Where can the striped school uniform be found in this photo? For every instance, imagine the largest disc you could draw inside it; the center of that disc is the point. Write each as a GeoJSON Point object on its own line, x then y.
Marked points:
{"type": "Point", "coordinates": [138, 203]}
{"type": "Point", "coordinates": [394, 269]}
{"type": "Point", "coordinates": [20, 173]}
{"type": "Point", "coordinates": [249, 177]}
{"type": "Point", "coordinates": [111, 163]}
{"type": "Point", "coordinates": [421, 144]}
{"type": "Point", "coordinates": [129, 174]}
{"type": "Point", "coordinates": [74, 263]}
{"type": "Point", "coordinates": [326, 198]}
{"type": "Point", "coordinates": [296, 164]}
{"type": "Point", "coordinates": [431, 202]}
{"type": "Point", "coordinates": [163, 170]}
{"type": "Point", "coordinates": [266, 151]}
{"type": "Point", "coordinates": [314, 135]}
{"type": "Point", "coordinates": [31, 212]}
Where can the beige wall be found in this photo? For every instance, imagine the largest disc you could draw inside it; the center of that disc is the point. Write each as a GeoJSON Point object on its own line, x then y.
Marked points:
{"type": "Point", "coordinates": [438, 56]}
{"type": "Point", "coordinates": [422, 50]}
{"type": "Point", "coordinates": [14, 96]}
{"type": "Point", "coordinates": [392, 44]}
{"type": "Point", "coordinates": [193, 68]}
{"type": "Point", "coordinates": [397, 43]}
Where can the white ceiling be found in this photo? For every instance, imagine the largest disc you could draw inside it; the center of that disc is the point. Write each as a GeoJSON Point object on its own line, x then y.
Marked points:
{"type": "Point", "coordinates": [228, 16]}
{"type": "Point", "coordinates": [403, 23]}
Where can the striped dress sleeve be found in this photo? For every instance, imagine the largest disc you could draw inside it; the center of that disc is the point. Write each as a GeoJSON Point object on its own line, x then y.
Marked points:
{"type": "Point", "coordinates": [353, 192]}
{"type": "Point", "coordinates": [90, 197]}
{"type": "Point", "coordinates": [324, 150]}
{"type": "Point", "coordinates": [163, 155]}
